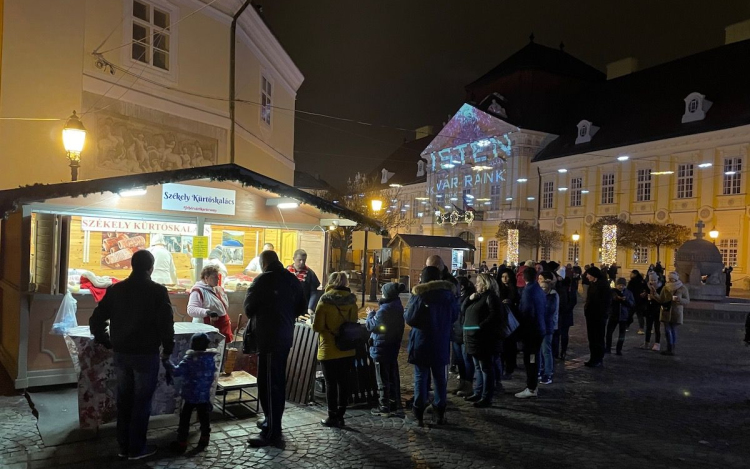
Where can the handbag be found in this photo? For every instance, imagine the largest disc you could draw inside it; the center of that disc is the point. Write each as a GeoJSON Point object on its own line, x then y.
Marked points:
{"type": "Point", "coordinates": [351, 335]}
{"type": "Point", "coordinates": [512, 323]}
{"type": "Point", "coordinates": [250, 340]}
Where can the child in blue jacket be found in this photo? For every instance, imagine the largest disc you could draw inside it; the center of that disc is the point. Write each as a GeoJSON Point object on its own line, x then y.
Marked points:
{"type": "Point", "coordinates": [386, 326]}
{"type": "Point", "coordinates": [197, 370]}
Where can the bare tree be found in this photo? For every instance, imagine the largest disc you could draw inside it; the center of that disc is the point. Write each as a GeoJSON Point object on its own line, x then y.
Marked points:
{"type": "Point", "coordinates": [657, 235]}
{"type": "Point", "coordinates": [549, 239]}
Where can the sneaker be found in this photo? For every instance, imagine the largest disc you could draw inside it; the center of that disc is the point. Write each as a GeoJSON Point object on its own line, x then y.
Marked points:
{"type": "Point", "coordinates": [473, 398]}
{"type": "Point", "coordinates": [640, 332]}
{"type": "Point", "coordinates": [546, 380]}
{"type": "Point", "coordinates": [380, 412]}
{"type": "Point", "coordinates": [656, 347]}
{"type": "Point", "coordinates": [526, 393]}
{"type": "Point", "coordinates": [122, 454]}
{"type": "Point", "coordinates": [149, 450]}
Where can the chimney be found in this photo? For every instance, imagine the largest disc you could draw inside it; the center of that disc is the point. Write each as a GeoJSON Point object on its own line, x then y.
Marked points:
{"type": "Point", "coordinates": [622, 67]}
{"type": "Point", "coordinates": [424, 131]}
{"type": "Point", "coordinates": [737, 32]}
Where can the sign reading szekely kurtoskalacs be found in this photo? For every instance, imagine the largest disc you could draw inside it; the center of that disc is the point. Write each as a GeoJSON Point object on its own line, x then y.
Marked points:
{"type": "Point", "coordinates": [184, 198]}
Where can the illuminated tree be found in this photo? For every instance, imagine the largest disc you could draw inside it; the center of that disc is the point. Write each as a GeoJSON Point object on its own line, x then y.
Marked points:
{"type": "Point", "coordinates": [626, 232]}
{"type": "Point", "coordinates": [528, 235]}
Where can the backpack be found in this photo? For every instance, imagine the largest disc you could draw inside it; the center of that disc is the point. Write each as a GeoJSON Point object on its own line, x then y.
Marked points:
{"type": "Point", "coordinates": [350, 335]}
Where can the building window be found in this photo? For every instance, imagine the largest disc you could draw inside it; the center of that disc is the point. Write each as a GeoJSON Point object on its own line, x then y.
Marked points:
{"type": "Point", "coordinates": [684, 181]}
{"type": "Point", "coordinates": [608, 188]}
{"type": "Point", "coordinates": [492, 249]}
{"type": "Point", "coordinates": [572, 252]}
{"type": "Point", "coordinates": [643, 190]}
{"type": "Point", "coordinates": [732, 175]}
{"type": "Point", "coordinates": [640, 255]}
{"type": "Point", "coordinates": [546, 253]}
{"type": "Point", "coordinates": [495, 201]}
{"type": "Point", "coordinates": [547, 194]}
{"type": "Point", "coordinates": [576, 184]}
{"type": "Point", "coordinates": [151, 35]}
{"type": "Point", "coordinates": [728, 250]}
{"type": "Point", "coordinates": [416, 207]}
{"type": "Point", "coordinates": [266, 95]}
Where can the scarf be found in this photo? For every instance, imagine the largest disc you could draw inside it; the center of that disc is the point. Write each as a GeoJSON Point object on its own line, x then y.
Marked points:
{"type": "Point", "coordinates": [673, 286]}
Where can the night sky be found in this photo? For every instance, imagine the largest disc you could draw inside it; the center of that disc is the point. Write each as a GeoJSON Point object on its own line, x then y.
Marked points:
{"type": "Point", "coordinates": [405, 63]}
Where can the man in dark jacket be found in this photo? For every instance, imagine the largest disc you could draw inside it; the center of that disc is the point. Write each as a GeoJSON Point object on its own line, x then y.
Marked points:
{"type": "Point", "coordinates": [531, 311]}
{"type": "Point", "coordinates": [445, 273]}
{"type": "Point", "coordinates": [307, 277]}
{"type": "Point", "coordinates": [140, 321]}
{"type": "Point", "coordinates": [274, 301]}
{"type": "Point", "coordinates": [431, 312]}
{"type": "Point", "coordinates": [596, 309]}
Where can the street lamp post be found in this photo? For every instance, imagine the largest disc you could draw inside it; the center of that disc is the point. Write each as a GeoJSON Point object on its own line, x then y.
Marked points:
{"type": "Point", "coordinates": [480, 239]}
{"type": "Point", "coordinates": [714, 233]}
{"type": "Point", "coordinates": [575, 238]}
{"type": "Point", "coordinates": [74, 136]}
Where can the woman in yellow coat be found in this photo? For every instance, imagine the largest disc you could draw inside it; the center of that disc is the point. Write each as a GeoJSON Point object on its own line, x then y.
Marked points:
{"type": "Point", "coordinates": [337, 305]}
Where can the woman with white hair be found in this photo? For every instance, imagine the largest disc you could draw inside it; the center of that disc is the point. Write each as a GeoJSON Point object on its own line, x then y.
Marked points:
{"type": "Point", "coordinates": [165, 272]}
{"type": "Point", "coordinates": [672, 298]}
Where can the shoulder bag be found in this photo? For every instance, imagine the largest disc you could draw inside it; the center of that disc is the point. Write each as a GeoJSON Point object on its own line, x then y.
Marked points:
{"type": "Point", "coordinates": [351, 335]}
{"type": "Point", "coordinates": [512, 323]}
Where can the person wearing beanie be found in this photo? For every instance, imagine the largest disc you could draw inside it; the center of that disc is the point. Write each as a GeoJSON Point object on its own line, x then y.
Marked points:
{"type": "Point", "coordinates": [619, 314]}
{"type": "Point", "coordinates": [386, 326]}
{"type": "Point", "coordinates": [596, 310]}
{"type": "Point", "coordinates": [551, 317]}
{"type": "Point", "coordinates": [673, 297]}
{"type": "Point", "coordinates": [197, 370]}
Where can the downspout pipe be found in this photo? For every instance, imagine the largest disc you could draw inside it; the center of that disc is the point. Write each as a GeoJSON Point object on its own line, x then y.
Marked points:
{"type": "Point", "coordinates": [538, 207]}
{"type": "Point", "coordinates": [232, 77]}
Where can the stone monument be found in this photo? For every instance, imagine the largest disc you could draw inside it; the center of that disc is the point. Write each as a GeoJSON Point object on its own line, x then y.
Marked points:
{"type": "Point", "coordinates": [700, 266]}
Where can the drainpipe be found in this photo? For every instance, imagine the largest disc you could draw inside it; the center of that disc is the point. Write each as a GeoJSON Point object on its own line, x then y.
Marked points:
{"type": "Point", "coordinates": [232, 79]}
{"type": "Point", "coordinates": [538, 206]}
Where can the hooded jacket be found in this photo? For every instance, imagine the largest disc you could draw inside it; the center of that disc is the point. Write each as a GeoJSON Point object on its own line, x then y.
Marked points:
{"type": "Point", "coordinates": [431, 312]}
{"type": "Point", "coordinates": [197, 370]}
{"type": "Point", "coordinates": [387, 330]}
{"type": "Point", "coordinates": [335, 307]}
{"type": "Point", "coordinates": [273, 302]}
{"type": "Point", "coordinates": [531, 311]}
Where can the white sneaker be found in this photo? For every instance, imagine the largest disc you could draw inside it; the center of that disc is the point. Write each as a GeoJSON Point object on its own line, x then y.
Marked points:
{"type": "Point", "coordinates": [656, 347]}
{"type": "Point", "coordinates": [526, 393]}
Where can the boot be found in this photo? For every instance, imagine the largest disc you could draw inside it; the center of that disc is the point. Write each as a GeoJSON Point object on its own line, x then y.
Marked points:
{"type": "Point", "coordinates": [331, 421]}
{"type": "Point", "coordinates": [418, 416]}
{"type": "Point", "coordinates": [466, 389]}
{"type": "Point", "coordinates": [440, 415]}
{"type": "Point", "coordinates": [340, 415]}
{"type": "Point", "coordinates": [668, 351]}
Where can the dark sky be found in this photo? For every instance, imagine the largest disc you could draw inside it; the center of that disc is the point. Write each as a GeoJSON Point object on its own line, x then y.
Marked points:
{"type": "Point", "coordinates": [404, 63]}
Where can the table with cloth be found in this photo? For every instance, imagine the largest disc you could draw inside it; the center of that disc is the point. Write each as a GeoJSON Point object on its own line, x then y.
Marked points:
{"type": "Point", "coordinates": [97, 381]}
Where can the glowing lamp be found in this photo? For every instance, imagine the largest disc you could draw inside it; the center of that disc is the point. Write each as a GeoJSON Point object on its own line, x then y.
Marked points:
{"type": "Point", "coordinates": [576, 237]}
{"type": "Point", "coordinates": [714, 233]}
{"type": "Point", "coordinates": [480, 239]}
{"type": "Point", "coordinates": [74, 137]}
{"type": "Point", "coordinates": [376, 205]}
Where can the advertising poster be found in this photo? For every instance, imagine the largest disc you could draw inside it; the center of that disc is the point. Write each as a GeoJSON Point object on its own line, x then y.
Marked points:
{"type": "Point", "coordinates": [187, 244]}
{"type": "Point", "coordinates": [118, 248]}
{"type": "Point", "coordinates": [233, 246]}
{"type": "Point", "coordinates": [174, 243]}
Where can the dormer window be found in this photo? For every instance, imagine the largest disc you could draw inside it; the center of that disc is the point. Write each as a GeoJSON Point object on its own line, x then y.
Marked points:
{"type": "Point", "coordinates": [385, 176]}
{"type": "Point", "coordinates": [420, 168]}
{"type": "Point", "coordinates": [586, 130]}
{"type": "Point", "coordinates": [696, 107]}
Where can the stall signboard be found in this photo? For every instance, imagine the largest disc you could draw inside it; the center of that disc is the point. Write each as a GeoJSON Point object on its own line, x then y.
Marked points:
{"type": "Point", "coordinates": [200, 247]}
{"type": "Point", "coordinates": [184, 198]}
{"type": "Point", "coordinates": [113, 225]}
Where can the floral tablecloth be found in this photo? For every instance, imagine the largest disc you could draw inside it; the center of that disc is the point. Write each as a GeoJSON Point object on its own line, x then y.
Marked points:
{"type": "Point", "coordinates": [97, 382]}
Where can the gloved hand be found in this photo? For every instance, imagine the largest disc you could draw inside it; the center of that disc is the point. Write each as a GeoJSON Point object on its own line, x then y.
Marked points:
{"type": "Point", "coordinates": [213, 314]}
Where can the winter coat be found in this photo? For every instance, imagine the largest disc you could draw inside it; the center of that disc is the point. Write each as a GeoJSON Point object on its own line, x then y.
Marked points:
{"type": "Point", "coordinates": [520, 282]}
{"type": "Point", "coordinates": [197, 370]}
{"type": "Point", "coordinates": [653, 307]}
{"type": "Point", "coordinates": [551, 312]}
{"type": "Point", "coordinates": [272, 304]}
{"type": "Point", "coordinates": [619, 311]}
{"type": "Point", "coordinates": [598, 300]}
{"type": "Point", "coordinates": [387, 330]}
{"type": "Point", "coordinates": [431, 312]}
{"type": "Point", "coordinates": [531, 312]}
{"type": "Point", "coordinates": [139, 314]}
{"type": "Point", "coordinates": [335, 307]}
{"type": "Point", "coordinates": [485, 319]}
{"type": "Point", "coordinates": [457, 331]}
{"type": "Point", "coordinates": [671, 311]}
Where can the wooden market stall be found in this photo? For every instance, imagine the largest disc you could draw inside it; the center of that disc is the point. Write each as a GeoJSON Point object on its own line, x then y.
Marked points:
{"type": "Point", "coordinates": [52, 234]}
{"type": "Point", "coordinates": [409, 252]}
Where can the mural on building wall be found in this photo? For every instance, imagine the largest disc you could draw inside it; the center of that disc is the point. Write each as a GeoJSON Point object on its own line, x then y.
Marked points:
{"type": "Point", "coordinates": [134, 146]}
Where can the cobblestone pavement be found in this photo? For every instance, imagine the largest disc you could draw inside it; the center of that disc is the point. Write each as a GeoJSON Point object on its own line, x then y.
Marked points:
{"type": "Point", "coordinates": [641, 410]}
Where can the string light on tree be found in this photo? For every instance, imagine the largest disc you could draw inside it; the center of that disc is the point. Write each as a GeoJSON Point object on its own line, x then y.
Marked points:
{"type": "Point", "coordinates": [512, 253]}
{"type": "Point", "coordinates": [609, 244]}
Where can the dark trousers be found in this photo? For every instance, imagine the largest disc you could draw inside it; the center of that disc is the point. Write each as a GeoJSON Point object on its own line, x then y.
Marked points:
{"type": "Point", "coordinates": [272, 390]}
{"type": "Point", "coordinates": [136, 382]}
{"type": "Point", "coordinates": [510, 351]}
{"type": "Point", "coordinates": [204, 417]}
{"type": "Point", "coordinates": [560, 340]}
{"type": "Point", "coordinates": [611, 326]}
{"type": "Point", "coordinates": [595, 329]}
{"type": "Point", "coordinates": [531, 346]}
{"type": "Point", "coordinates": [485, 372]}
{"type": "Point", "coordinates": [389, 383]}
{"type": "Point", "coordinates": [336, 373]}
{"type": "Point", "coordinates": [641, 317]}
{"type": "Point", "coordinates": [652, 321]}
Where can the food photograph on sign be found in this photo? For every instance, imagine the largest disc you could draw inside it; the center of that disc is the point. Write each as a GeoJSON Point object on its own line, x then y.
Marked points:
{"type": "Point", "coordinates": [187, 245]}
{"type": "Point", "coordinates": [233, 247]}
{"type": "Point", "coordinates": [173, 243]}
{"type": "Point", "coordinates": [118, 248]}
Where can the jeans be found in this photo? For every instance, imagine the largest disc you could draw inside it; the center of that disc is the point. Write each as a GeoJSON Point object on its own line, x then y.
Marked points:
{"type": "Point", "coordinates": [470, 370]}
{"type": "Point", "coordinates": [611, 326]}
{"type": "Point", "coordinates": [204, 417]}
{"type": "Point", "coordinates": [531, 361]}
{"type": "Point", "coordinates": [389, 383]}
{"type": "Point", "coordinates": [547, 366]}
{"type": "Point", "coordinates": [136, 382]}
{"type": "Point", "coordinates": [653, 320]}
{"type": "Point", "coordinates": [670, 331]}
{"type": "Point", "coordinates": [459, 361]}
{"type": "Point", "coordinates": [595, 329]}
{"type": "Point", "coordinates": [421, 385]}
{"type": "Point", "coordinates": [641, 317]}
{"type": "Point", "coordinates": [336, 373]}
{"type": "Point", "coordinates": [485, 382]}
{"type": "Point", "coordinates": [560, 340]}
{"type": "Point", "coordinates": [272, 390]}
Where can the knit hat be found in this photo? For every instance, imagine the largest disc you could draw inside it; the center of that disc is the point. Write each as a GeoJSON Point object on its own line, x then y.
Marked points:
{"type": "Point", "coordinates": [594, 271]}
{"type": "Point", "coordinates": [621, 281]}
{"type": "Point", "coordinates": [391, 290]}
{"type": "Point", "coordinates": [199, 342]}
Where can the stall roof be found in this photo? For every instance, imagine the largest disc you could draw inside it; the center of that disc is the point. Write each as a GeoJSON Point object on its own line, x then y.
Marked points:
{"type": "Point", "coordinates": [12, 199]}
{"type": "Point", "coordinates": [424, 241]}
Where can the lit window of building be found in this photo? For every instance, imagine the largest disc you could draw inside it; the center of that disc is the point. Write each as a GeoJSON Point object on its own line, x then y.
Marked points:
{"type": "Point", "coordinates": [546, 253]}
{"type": "Point", "coordinates": [728, 249]}
{"type": "Point", "coordinates": [151, 35]}
{"type": "Point", "coordinates": [640, 255]}
{"type": "Point", "coordinates": [643, 190]}
{"type": "Point", "coordinates": [685, 181]}
{"type": "Point", "coordinates": [495, 200]}
{"type": "Point", "coordinates": [608, 188]}
{"type": "Point", "coordinates": [571, 252]}
{"type": "Point", "coordinates": [576, 184]}
{"type": "Point", "coordinates": [266, 95]}
{"type": "Point", "coordinates": [547, 194]}
{"type": "Point", "coordinates": [732, 175]}
{"type": "Point", "coordinates": [492, 249]}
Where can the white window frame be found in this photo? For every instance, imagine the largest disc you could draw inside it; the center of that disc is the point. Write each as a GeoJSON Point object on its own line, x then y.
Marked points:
{"type": "Point", "coordinates": [608, 188]}
{"type": "Point", "coordinates": [685, 180]}
{"type": "Point", "coordinates": [148, 69]}
{"type": "Point", "coordinates": [576, 185]}
{"type": "Point", "coordinates": [492, 249]}
{"type": "Point", "coordinates": [546, 253]}
{"type": "Point", "coordinates": [571, 252]}
{"type": "Point", "coordinates": [641, 255]}
{"type": "Point", "coordinates": [496, 193]}
{"type": "Point", "coordinates": [267, 86]}
{"type": "Point", "coordinates": [729, 249]}
{"type": "Point", "coordinates": [415, 208]}
{"type": "Point", "coordinates": [548, 194]}
{"type": "Point", "coordinates": [732, 182]}
{"type": "Point", "coordinates": [643, 187]}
